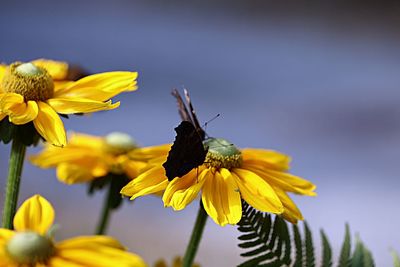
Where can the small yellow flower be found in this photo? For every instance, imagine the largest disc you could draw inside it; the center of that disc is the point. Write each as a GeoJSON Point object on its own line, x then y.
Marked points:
{"type": "Point", "coordinates": [177, 262]}
{"type": "Point", "coordinates": [31, 243]}
{"type": "Point", "coordinates": [228, 175]}
{"type": "Point", "coordinates": [87, 157]}
{"type": "Point", "coordinates": [38, 91]}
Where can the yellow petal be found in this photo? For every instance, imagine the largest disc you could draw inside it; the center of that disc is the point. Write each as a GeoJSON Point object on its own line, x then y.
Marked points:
{"type": "Point", "coordinates": [257, 192]}
{"type": "Point", "coordinates": [72, 174]}
{"type": "Point", "coordinates": [8, 100]}
{"type": "Point", "coordinates": [284, 181]}
{"type": "Point", "coordinates": [92, 241]}
{"type": "Point", "coordinates": [266, 158]}
{"type": "Point", "coordinates": [181, 191]}
{"type": "Point", "coordinates": [133, 168]}
{"type": "Point", "coordinates": [221, 199]}
{"type": "Point", "coordinates": [97, 251]}
{"type": "Point", "coordinates": [230, 196]}
{"type": "Point", "coordinates": [5, 235]}
{"type": "Point", "coordinates": [23, 113]}
{"type": "Point", "coordinates": [56, 261]}
{"type": "Point", "coordinates": [79, 105]}
{"type": "Point", "coordinates": [151, 152]}
{"type": "Point", "coordinates": [35, 214]}
{"type": "Point", "coordinates": [85, 157]}
{"type": "Point", "coordinates": [58, 70]}
{"type": "Point", "coordinates": [100, 87]}
{"type": "Point", "coordinates": [49, 125]}
{"type": "Point", "coordinates": [2, 71]}
{"type": "Point", "coordinates": [2, 116]}
{"type": "Point", "coordinates": [291, 213]}
{"type": "Point", "coordinates": [85, 140]}
{"type": "Point", "coordinates": [150, 182]}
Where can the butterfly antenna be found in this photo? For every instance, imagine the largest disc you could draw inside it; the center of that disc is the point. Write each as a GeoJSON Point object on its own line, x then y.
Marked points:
{"type": "Point", "coordinates": [183, 111]}
{"type": "Point", "coordinates": [207, 122]}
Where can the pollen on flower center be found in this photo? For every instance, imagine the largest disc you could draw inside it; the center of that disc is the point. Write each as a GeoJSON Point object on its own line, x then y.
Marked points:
{"type": "Point", "coordinates": [30, 248]}
{"type": "Point", "coordinates": [222, 154]}
{"type": "Point", "coordinates": [119, 143]}
{"type": "Point", "coordinates": [28, 80]}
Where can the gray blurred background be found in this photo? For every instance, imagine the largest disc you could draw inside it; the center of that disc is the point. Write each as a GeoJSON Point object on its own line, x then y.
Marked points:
{"type": "Point", "coordinates": [316, 80]}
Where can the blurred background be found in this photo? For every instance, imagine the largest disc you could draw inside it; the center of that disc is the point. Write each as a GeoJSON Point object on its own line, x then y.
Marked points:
{"type": "Point", "coordinates": [318, 80]}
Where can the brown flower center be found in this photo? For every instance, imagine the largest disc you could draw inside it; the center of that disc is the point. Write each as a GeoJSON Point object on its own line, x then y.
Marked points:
{"type": "Point", "coordinates": [28, 80]}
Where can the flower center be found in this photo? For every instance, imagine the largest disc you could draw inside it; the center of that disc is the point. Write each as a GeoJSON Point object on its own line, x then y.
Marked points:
{"type": "Point", "coordinates": [30, 248]}
{"type": "Point", "coordinates": [28, 80]}
{"type": "Point", "coordinates": [222, 154]}
{"type": "Point", "coordinates": [119, 143]}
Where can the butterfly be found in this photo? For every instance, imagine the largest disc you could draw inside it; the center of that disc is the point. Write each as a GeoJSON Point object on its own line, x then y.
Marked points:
{"type": "Point", "coordinates": [187, 151]}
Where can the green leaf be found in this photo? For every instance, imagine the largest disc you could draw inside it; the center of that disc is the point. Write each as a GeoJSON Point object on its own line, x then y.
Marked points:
{"type": "Point", "coordinates": [358, 255]}
{"type": "Point", "coordinates": [326, 251]}
{"type": "Point", "coordinates": [344, 260]}
{"type": "Point", "coordinates": [266, 241]}
{"type": "Point", "coordinates": [309, 247]}
{"type": "Point", "coordinates": [299, 247]}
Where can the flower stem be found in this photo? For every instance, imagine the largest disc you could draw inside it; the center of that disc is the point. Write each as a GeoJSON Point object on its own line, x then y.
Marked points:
{"type": "Point", "coordinates": [106, 211]}
{"type": "Point", "coordinates": [15, 166]}
{"type": "Point", "coordinates": [194, 242]}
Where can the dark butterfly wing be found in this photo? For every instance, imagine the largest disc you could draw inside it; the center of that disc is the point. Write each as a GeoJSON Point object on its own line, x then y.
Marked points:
{"type": "Point", "coordinates": [186, 153]}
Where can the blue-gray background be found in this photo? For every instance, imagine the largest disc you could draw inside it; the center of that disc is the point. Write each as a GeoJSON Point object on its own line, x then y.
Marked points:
{"type": "Point", "coordinates": [319, 82]}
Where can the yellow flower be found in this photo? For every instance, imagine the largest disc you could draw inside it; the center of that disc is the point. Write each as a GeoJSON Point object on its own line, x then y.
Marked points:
{"type": "Point", "coordinates": [31, 243]}
{"type": "Point", "coordinates": [87, 157]}
{"type": "Point", "coordinates": [177, 262]}
{"type": "Point", "coordinates": [38, 91]}
{"type": "Point", "coordinates": [228, 175]}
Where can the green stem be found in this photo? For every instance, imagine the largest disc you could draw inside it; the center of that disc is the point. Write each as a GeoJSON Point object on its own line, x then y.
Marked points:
{"type": "Point", "coordinates": [15, 166]}
{"type": "Point", "coordinates": [194, 242]}
{"type": "Point", "coordinates": [106, 210]}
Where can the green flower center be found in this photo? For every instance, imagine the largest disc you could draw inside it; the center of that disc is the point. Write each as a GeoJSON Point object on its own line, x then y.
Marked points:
{"type": "Point", "coordinates": [119, 143]}
{"type": "Point", "coordinates": [28, 80]}
{"type": "Point", "coordinates": [222, 154]}
{"type": "Point", "coordinates": [30, 248]}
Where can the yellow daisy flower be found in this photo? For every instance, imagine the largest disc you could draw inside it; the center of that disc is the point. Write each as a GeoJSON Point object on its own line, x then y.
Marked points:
{"type": "Point", "coordinates": [177, 262]}
{"type": "Point", "coordinates": [87, 157]}
{"type": "Point", "coordinates": [228, 175]}
{"type": "Point", "coordinates": [31, 243]}
{"type": "Point", "coordinates": [38, 92]}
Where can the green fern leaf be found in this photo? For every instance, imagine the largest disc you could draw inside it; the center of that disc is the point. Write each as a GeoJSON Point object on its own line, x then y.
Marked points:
{"type": "Point", "coordinates": [266, 241]}
{"type": "Point", "coordinates": [368, 259]}
{"type": "Point", "coordinates": [396, 259]}
{"type": "Point", "coordinates": [344, 260]}
{"type": "Point", "coordinates": [358, 255]}
{"type": "Point", "coordinates": [309, 247]}
{"type": "Point", "coordinates": [299, 247]}
{"type": "Point", "coordinates": [326, 251]}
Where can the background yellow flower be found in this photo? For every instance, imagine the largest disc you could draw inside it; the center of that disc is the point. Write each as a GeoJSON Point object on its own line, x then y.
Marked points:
{"type": "Point", "coordinates": [38, 92]}
{"type": "Point", "coordinates": [32, 243]}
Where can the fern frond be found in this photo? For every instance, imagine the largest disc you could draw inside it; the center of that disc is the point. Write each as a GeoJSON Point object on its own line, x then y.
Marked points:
{"type": "Point", "coordinates": [345, 260]}
{"type": "Point", "coordinates": [396, 259]}
{"type": "Point", "coordinates": [267, 242]}
{"type": "Point", "coordinates": [326, 251]}
{"type": "Point", "coordinates": [309, 247]}
{"type": "Point", "coordinates": [299, 247]}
